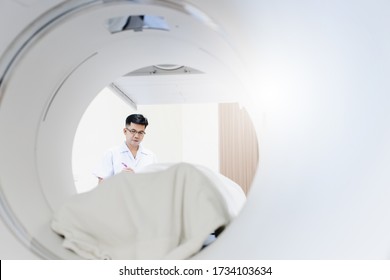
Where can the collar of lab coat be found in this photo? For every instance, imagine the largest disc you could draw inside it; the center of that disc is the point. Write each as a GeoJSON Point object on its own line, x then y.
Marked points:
{"type": "Point", "coordinates": [141, 149]}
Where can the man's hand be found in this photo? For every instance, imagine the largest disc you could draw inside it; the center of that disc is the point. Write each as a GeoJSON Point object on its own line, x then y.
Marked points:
{"type": "Point", "coordinates": [128, 169]}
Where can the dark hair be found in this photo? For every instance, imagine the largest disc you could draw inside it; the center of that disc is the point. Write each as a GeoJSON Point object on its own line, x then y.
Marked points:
{"type": "Point", "coordinates": [137, 119]}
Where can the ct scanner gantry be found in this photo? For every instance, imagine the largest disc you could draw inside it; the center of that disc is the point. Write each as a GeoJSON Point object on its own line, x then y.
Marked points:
{"type": "Point", "coordinates": [313, 76]}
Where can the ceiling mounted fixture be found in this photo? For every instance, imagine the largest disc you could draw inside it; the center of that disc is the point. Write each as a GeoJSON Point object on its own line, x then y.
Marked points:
{"type": "Point", "coordinates": [164, 69]}
{"type": "Point", "coordinates": [168, 67]}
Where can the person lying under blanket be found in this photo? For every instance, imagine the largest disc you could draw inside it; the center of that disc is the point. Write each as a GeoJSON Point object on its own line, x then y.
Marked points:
{"type": "Point", "coordinates": [167, 211]}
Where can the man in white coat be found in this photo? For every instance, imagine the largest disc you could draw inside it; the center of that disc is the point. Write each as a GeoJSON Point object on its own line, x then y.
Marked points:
{"type": "Point", "coordinates": [130, 156]}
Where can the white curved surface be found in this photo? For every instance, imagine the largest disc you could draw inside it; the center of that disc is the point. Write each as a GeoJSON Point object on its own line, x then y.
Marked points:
{"type": "Point", "coordinates": [318, 78]}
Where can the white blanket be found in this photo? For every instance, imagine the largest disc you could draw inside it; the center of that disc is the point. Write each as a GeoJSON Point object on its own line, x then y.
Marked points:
{"type": "Point", "coordinates": [165, 214]}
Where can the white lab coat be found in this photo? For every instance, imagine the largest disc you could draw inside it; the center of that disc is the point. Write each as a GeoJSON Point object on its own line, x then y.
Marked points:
{"type": "Point", "coordinates": [119, 157]}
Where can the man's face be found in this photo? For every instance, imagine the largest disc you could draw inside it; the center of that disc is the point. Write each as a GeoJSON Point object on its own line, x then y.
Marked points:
{"type": "Point", "coordinates": [134, 134]}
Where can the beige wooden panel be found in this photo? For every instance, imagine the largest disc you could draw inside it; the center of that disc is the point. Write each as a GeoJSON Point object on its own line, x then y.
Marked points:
{"type": "Point", "coordinates": [239, 153]}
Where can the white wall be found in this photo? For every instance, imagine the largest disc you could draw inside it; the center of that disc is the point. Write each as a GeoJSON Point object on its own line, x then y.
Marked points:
{"type": "Point", "coordinates": [185, 132]}
{"type": "Point", "coordinates": [175, 133]}
{"type": "Point", "coordinates": [200, 134]}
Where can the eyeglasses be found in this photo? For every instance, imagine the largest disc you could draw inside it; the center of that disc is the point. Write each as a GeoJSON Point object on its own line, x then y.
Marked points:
{"type": "Point", "coordinates": [134, 132]}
